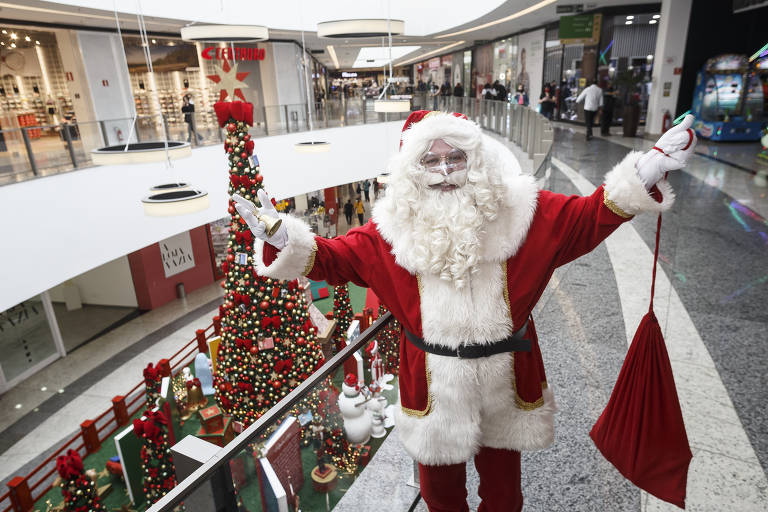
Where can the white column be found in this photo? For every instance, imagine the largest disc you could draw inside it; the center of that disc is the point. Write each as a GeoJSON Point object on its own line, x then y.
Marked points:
{"type": "Point", "coordinates": [670, 51]}
{"type": "Point", "coordinates": [50, 315]}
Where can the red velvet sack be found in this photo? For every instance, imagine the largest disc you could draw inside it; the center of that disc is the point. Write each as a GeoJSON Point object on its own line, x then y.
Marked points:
{"type": "Point", "coordinates": [641, 430]}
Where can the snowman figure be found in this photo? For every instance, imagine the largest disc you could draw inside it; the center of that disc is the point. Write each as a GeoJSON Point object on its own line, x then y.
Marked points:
{"type": "Point", "coordinates": [357, 419]}
{"type": "Point", "coordinates": [376, 406]}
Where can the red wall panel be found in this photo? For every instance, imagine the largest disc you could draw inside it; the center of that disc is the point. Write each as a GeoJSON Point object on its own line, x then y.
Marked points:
{"type": "Point", "coordinates": [153, 289]}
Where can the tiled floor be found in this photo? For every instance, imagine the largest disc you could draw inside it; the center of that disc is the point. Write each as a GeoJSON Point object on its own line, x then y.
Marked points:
{"type": "Point", "coordinates": [711, 296]}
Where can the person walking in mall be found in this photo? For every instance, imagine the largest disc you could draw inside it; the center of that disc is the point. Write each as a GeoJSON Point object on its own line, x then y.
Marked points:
{"type": "Point", "coordinates": [458, 90]}
{"type": "Point", "coordinates": [360, 210]}
{"type": "Point", "coordinates": [366, 190]}
{"type": "Point", "coordinates": [547, 102]}
{"type": "Point", "coordinates": [375, 188]}
{"type": "Point", "coordinates": [592, 97]}
{"type": "Point", "coordinates": [460, 249]}
{"type": "Point", "coordinates": [501, 91]}
{"type": "Point", "coordinates": [521, 98]}
{"type": "Point", "coordinates": [348, 209]}
{"type": "Point", "coordinates": [188, 108]}
{"type": "Point", "coordinates": [609, 101]}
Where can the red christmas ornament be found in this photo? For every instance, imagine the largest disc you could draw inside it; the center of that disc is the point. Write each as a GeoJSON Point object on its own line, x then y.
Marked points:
{"type": "Point", "coordinates": [264, 304]}
{"type": "Point", "coordinates": [289, 306]}
{"type": "Point", "coordinates": [243, 155]}
{"type": "Point", "coordinates": [259, 178]}
{"type": "Point", "coordinates": [231, 127]}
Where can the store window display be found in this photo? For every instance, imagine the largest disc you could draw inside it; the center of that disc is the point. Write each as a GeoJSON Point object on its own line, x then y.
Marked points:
{"type": "Point", "coordinates": [460, 248]}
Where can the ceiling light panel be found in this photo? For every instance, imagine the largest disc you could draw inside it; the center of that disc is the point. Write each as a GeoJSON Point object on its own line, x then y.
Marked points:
{"type": "Point", "coordinates": [377, 56]}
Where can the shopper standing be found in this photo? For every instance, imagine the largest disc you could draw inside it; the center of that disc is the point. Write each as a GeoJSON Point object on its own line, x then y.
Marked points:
{"type": "Point", "coordinates": [375, 188]}
{"type": "Point", "coordinates": [547, 102]}
{"type": "Point", "coordinates": [521, 98]}
{"type": "Point", "coordinates": [366, 190]}
{"type": "Point", "coordinates": [188, 108]}
{"type": "Point", "coordinates": [348, 209]}
{"type": "Point", "coordinates": [360, 209]}
{"type": "Point", "coordinates": [593, 100]}
{"type": "Point", "coordinates": [458, 90]}
{"type": "Point", "coordinates": [609, 102]}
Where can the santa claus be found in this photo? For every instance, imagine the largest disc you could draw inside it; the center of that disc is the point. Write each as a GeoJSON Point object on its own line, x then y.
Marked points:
{"type": "Point", "coordinates": [460, 249]}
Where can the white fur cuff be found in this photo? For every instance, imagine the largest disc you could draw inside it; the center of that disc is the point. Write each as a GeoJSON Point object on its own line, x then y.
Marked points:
{"type": "Point", "coordinates": [295, 259]}
{"type": "Point", "coordinates": [624, 187]}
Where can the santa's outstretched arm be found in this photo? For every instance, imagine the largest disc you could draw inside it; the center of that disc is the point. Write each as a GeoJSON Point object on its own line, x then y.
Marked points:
{"type": "Point", "coordinates": [635, 185]}
{"type": "Point", "coordinates": [294, 250]}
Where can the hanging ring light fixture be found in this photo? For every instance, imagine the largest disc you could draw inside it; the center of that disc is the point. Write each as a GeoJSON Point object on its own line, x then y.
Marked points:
{"type": "Point", "coordinates": [225, 33]}
{"type": "Point", "coordinates": [360, 28]}
{"type": "Point", "coordinates": [178, 202]}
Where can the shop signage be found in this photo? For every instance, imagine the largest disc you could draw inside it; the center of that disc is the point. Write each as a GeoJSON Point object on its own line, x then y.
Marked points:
{"type": "Point", "coordinates": [176, 254]}
{"type": "Point", "coordinates": [582, 28]}
{"type": "Point", "coordinates": [237, 53]}
{"type": "Point", "coordinates": [434, 63]}
{"type": "Point", "coordinates": [347, 74]}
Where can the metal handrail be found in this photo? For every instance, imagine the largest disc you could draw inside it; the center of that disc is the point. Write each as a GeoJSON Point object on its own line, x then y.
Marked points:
{"type": "Point", "coordinates": [223, 456]}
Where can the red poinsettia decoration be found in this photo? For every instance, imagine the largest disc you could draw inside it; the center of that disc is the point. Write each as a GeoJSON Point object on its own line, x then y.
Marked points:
{"type": "Point", "coordinates": [70, 465]}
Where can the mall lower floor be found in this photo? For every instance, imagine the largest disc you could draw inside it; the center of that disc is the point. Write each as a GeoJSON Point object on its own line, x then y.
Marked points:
{"type": "Point", "coordinates": [710, 299]}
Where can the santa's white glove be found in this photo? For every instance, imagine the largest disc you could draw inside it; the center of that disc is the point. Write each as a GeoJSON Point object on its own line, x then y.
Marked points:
{"type": "Point", "coordinates": [669, 154]}
{"type": "Point", "coordinates": [248, 211]}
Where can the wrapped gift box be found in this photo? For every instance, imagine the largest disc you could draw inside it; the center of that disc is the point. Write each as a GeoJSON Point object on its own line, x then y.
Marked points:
{"type": "Point", "coordinates": [211, 418]}
{"type": "Point", "coordinates": [219, 437]}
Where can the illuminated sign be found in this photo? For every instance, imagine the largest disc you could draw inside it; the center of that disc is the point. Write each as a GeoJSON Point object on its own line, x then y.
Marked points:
{"type": "Point", "coordinates": [345, 74]}
{"type": "Point", "coordinates": [216, 53]}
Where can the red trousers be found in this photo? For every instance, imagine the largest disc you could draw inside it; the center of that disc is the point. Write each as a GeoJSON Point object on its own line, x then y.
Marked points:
{"type": "Point", "coordinates": [444, 488]}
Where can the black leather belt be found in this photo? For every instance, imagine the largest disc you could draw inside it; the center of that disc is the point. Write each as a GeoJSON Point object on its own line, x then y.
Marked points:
{"type": "Point", "coordinates": [514, 343]}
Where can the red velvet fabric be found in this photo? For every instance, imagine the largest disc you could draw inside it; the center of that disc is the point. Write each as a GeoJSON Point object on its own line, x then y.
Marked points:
{"type": "Point", "coordinates": [444, 488]}
{"type": "Point", "coordinates": [641, 430]}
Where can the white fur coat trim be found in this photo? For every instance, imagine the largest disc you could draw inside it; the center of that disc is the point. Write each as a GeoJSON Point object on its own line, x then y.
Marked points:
{"type": "Point", "coordinates": [473, 405]}
{"type": "Point", "coordinates": [292, 260]}
{"type": "Point", "coordinates": [625, 188]}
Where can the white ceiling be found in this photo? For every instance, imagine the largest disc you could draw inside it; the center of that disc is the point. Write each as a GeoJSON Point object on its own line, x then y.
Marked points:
{"type": "Point", "coordinates": [429, 24]}
{"type": "Point", "coordinates": [421, 17]}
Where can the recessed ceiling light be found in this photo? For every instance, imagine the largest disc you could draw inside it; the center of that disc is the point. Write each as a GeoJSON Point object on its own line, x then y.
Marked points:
{"type": "Point", "coordinates": [27, 38]}
{"type": "Point", "coordinates": [630, 17]}
{"type": "Point", "coordinates": [652, 22]}
{"type": "Point", "coordinates": [13, 45]}
{"type": "Point", "coordinates": [2, 43]}
{"type": "Point", "coordinates": [13, 35]}
{"type": "Point", "coordinates": [5, 31]}
{"type": "Point", "coordinates": [656, 16]}
{"type": "Point", "coordinates": [61, 391]}
{"type": "Point", "coordinates": [37, 42]}
{"type": "Point", "coordinates": [17, 406]}
{"type": "Point", "coordinates": [44, 388]}
{"type": "Point", "coordinates": [154, 41]}
{"type": "Point", "coordinates": [627, 22]}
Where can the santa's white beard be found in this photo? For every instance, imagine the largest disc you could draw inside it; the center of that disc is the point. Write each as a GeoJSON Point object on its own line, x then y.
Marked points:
{"type": "Point", "coordinates": [446, 228]}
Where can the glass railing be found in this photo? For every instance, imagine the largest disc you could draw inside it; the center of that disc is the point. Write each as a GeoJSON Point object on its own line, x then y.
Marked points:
{"type": "Point", "coordinates": [282, 459]}
{"type": "Point", "coordinates": [34, 151]}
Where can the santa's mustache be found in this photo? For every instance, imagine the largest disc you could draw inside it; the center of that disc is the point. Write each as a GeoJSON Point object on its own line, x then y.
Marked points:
{"type": "Point", "coordinates": [458, 178]}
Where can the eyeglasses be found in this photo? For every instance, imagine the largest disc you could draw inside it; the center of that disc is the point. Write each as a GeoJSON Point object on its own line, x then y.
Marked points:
{"type": "Point", "coordinates": [455, 160]}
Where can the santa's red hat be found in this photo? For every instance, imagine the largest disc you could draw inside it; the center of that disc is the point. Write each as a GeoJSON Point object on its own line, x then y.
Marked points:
{"type": "Point", "coordinates": [418, 115]}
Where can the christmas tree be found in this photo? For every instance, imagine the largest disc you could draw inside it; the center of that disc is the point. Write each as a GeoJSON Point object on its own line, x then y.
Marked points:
{"type": "Point", "coordinates": [389, 344]}
{"type": "Point", "coordinates": [342, 312]}
{"type": "Point", "coordinates": [156, 462]}
{"type": "Point", "coordinates": [337, 449]}
{"type": "Point", "coordinates": [268, 342]}
{"type": "Point", "coordinates": [78, 490]}
{"type": "Point", "coordinates": [152, 380]}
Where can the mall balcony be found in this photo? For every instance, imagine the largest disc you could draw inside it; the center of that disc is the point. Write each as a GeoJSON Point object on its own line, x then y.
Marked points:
{"type": "Point", "coordinates": [115, 315]}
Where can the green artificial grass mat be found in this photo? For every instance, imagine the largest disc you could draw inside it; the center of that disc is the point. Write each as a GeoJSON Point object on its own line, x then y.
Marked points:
{"type": "Point", "coordinates": [356, 299]}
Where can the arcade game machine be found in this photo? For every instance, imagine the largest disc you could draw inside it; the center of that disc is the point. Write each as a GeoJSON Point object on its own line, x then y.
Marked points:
{"type": "Point", "coordinates": [729, 97]}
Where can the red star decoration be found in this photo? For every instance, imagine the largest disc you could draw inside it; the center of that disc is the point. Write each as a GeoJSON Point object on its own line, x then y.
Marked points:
{"type": "Point", "coordinates": [228, 77]}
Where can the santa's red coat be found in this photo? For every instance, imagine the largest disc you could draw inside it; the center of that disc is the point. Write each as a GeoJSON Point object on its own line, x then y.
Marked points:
{"type": "Point", "coordinates": [449, 407]}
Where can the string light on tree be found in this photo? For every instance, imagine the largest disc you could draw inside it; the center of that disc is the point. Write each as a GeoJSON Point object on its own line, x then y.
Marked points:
{"type": "Point", "coordinates": [268, 342]}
